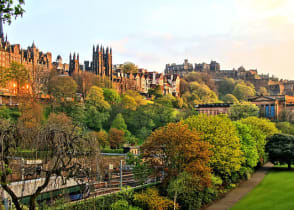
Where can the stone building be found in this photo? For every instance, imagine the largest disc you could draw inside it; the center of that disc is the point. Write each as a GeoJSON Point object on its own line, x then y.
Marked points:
{"type": "Point", "coordinates": [213, 109]}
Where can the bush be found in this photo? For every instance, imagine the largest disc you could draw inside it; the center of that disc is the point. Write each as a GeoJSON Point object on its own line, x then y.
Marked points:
{"type": "Point", "coordinates": [113, 151]}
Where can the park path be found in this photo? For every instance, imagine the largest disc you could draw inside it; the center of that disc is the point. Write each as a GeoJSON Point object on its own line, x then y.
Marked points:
{"type": "Point", "coordinates": [235, 195]}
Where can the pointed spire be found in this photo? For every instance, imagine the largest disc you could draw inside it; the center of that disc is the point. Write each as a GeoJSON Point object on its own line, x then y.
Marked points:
{"type": "Point", "coordinates": [97, 48]}
{"type": "Point", "coordinates": [1, 27]}
{"type": "Point", "coordinates": [107, 50]}
{"type": "Point", "coordinates": [78, 57]}
{"type": "Point", "coordinates": [33, 45]}
{"type": "Point", "coordinates": [6, 39]}
{"type": "Point", "coordinates": [70, 57]}
{"type": "Point", "coordinates": [111, 50]}
{"type": "Point", "coordinates": [74, 56]}
{"type": "Point", "coordinates": [93, 48]}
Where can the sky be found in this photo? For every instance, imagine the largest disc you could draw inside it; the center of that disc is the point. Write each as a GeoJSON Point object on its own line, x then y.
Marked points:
{"type": "Point", "coordinates": [257, 34]}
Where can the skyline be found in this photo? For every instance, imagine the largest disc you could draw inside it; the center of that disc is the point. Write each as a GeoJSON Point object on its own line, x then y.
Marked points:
{"type": "Point", "coordinates": [255, 34]}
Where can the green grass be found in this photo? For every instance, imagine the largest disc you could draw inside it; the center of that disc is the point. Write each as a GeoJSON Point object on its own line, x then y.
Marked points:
{"type": "Point", "coordinates": [275, 192]}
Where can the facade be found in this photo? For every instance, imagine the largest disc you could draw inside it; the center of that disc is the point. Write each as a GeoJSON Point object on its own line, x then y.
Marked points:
{"type": "Point", "coordinates": [101, 63]}
{"type": "Point", "coordinates": [213, 109]}
{"type": "Point", "coordinates": [274, 107]}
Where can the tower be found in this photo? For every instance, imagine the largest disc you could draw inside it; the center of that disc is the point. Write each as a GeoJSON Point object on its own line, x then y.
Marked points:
{"type": "Point", "coordinates": [74, 64]}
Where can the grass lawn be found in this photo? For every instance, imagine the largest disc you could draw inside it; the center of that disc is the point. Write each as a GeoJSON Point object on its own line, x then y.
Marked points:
{"type": "Point", "coordinates": [275, 192]}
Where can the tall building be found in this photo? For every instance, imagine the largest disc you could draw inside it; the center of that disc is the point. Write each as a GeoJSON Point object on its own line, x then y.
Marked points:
{"type": "Point", "coordinates": [101, 63]}
{"type": "Point", "coordinates": [31, 57]}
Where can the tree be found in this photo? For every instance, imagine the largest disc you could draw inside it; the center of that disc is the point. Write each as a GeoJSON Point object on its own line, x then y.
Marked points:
{"type": "Point", "coordinates": [285, 127]}
{"type": "Point", "coordinates": [96, 98]}
{"type": "Point", "coordinates": [201, 94]}
{"type": "Point", "coordinates": [221, 133]}
{"type": "Point", "coordinates": [243, 91]}
{"type": "Point", "coordinates": [95, 119]}
{"type": "Point", "coordinates": [230, 98]}
{"type": "Point", "coordinates": [262, 91]}
{"type": "Point", "coordinates": [176, 149]}
{"type": "Point", "coordinates": [62, 87]}
{"type": "Point", "coordinates": [119, 123]}
{"type": "Point", "coordinates": [280, 149]}
{"type": "Point", "coordinates": [129, 102]}
{"type": "Point", "coordinates": [61, 140]}
{"type": "Point", "coordinates": [202, 78]}
{"type": "Point", "coordinates": [150, 199]}
{"type": "Point", "coordinates": [111, 96]}
{"type": "Point", "coordinates": [260, 130]}
{"type": "Point", "coordinates": [243, 110]}
{"type": "Point", "coordinates": [226, 86]}
{"type": "Point", "coordinates": [85, 80]}
{"type": "Point", "coordinates": [116, 138]}
{"type": "Point", "coordinates": [248, 145]}
{"type": "Point", "coordinates": [167, 100]}
{"type": "Point", "coordinates": [10, 8]}
{"type": "Point", "coordinates": [129, 67]}
{"type": "Point", "coordinates": [156, 92]}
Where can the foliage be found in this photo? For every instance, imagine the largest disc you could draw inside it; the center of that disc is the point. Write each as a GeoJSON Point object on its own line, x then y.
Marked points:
{"type": "Point", "coordinates": [285, 127]}
{"type": "Point", "coordinates": [95, 98]}
{"type": "Point", "coordinates": [150, 199]}
{"type": "Point", "coordinates": [116, 138]}
{"type": "Point", "coordinates": [129, 102]}
{"type": "Point", "coordinates": [111, 96]}
{"type": "Point", "coordinates": [141, 170]}
{"type": "Point", "coordinates": [243, 91]}
{"type": "Point", "coordinates": [155, 92]}
{"type": "Point", "coordinates": [280, 149]}
{"type": "Point", "coordinates": [129, 67]}
{"type": "Point", "coordinates": [62, 86]}
{"type": "Point", "coordinates": [94, 118]}
{"type": "Point", "coordinates": [120, 205]}
{"type": "Point", "coordinates": [9, 113]}
{"type": "Point", "coordinates": [167, 100]}
{"type": "Point", "coordinates": [226, 86]}
{"type": "Point", "coordinates": [263, 91]}
{"type": "Point", "coordinates": [221, 133]}
{"type": "Point", "coordinates": [243, 110]}
{"type": "Point", "coordinates": [201, 78]}
{"type": "Point", "coordinates": [248, 145]}
{"type": "Point", "coordinates": [10, 8]}
{"type": "Point", "coordinates": [164, 149]}
{"type": "Point", "coordinates": [119, 123]}
{"type": "Point", "coordinates": [230, 98]}
{"type": "Point", "coordinates": [267, 127]}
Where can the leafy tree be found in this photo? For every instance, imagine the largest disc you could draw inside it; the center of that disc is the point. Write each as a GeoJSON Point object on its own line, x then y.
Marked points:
{"type": "Point", "coordinates": [267, 127]}
{"type": "Point", "coordinates": [248, 145]}
{"type": "Point", "coordinates": [164, 148]}
{"type": "Point", "coordinates": [150, 199]}
{"type": "Point", "coordinates": [129, 102]}
{"type": "Point", "coordinates": [62, 86]}
{"type": "Point", "coordinates": [226, 86]}
{"type": "Point", "coordinates": [280, 149]}
{"type": "Point", "coordinates": [111, 96]}
{"type": "Point", "coordinates": [243, 91]}
{"type": "Point", "coordinates": [179, 103]}
{"type": "Point", "coordinates": [11, 114]}
{"type": "Point", "coordinates": [221, 133]}
{"type": "Point", "coordinates": [155, 92]}
{"type": "Point", "coordinates": [184, 86]}
{"type": "Point", "coordinates": [95, 119]}
{"type": "Point", "coordinates": [167, 100]}
{"type": "Point", "coordinates": [116, 138]}
{"type": "Point", "coordinates": [201, 78]}
{"type": "Point", "coordinates": [260, 130]}
{"type": "Point", "coordinates": [95, 98]}
{"type": "Point", "coordinates": [101, 137]}
{"type": "Point", "coordinates": [120, 205]}
{"type": "Point", "coordinates": [243, 110]}
{"type": "Point", "coordinates": [85, 80]}
{"type": "Point", "coordinates": [263, 91]}
{"type": "Point", "coordinates": [10, 8]}
{"type": "Point", "coordinates": [129, 67]}
{"type": "Point", "coordinates": [285, 127]}
{"type": "Point", "coordinates": [119, 123]}
{"type": "Point", "coordinates": [230, 98]}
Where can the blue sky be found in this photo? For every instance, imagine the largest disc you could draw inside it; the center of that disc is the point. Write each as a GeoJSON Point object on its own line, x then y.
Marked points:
{"type": "Point", "coordinates": [253, 33]}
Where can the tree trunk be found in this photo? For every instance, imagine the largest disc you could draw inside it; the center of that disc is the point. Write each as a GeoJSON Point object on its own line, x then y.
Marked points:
{"type": "Point", "coordinates": [38, 191]}
{"type": "Point", "coordinates": [175, 199]}
{"type": "Point", "coordinates": [12, 195]}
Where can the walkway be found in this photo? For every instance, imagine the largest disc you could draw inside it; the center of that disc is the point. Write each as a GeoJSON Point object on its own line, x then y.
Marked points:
{"type": "Point", "coordinates": [235, 195]}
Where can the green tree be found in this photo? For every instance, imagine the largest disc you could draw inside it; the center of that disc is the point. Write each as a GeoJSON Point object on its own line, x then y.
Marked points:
{"type": "Point", "coordinates": [226, 86]}
{"type": "Point", "coordinates": [10, 8]}
{"type": "Point", "coordinates": [111, 96]}
{"type": "Point", "coordinates": [243, 91]}
{"type": "Point", "coordinates": [230, 98]}
{"type": "Point", "coordinates": [221, 133]}
{"type": "Point", "coordinates": [95, 98]}
{"type": "Point", "coordinates": [201, 94]}
{"type": "Point", "coordinates": [248, 145]}
{"type": "Point", "coordinates": [62, 87]}
{"type": "Point", "coordinates": [119, 122]}
{"type": "Point", "coordinates": [155, 92]}
{"type": "Point", "coordinates": [167, 100]}
{"type": "Point", "coordinates": [129, 67]}
{"type": "Point", "coordinates": [243, 110]}
{"type": "Point", "coordinates": [280, 149]}
{"type": "Point", "coordinates": [285, 127]}
{"type": "Point", "coordinates": [95, 119]}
